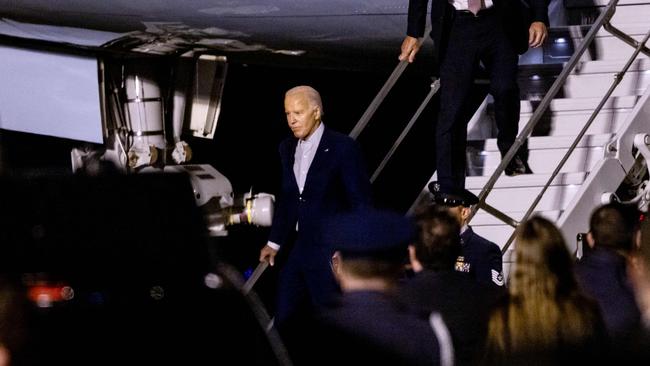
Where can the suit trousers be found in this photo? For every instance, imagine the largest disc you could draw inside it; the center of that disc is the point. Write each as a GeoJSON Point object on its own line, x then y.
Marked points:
{"type": "Point", "coordinates": [306, 284]}
{"type": "Point", "coordinates": [473, 40]}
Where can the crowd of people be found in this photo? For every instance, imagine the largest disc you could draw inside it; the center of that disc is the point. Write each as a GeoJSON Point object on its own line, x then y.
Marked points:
{"type": "Point", "coordinates": [403, 300]}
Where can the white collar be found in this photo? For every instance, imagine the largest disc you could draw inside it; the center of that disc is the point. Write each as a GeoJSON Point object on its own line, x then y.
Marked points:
{"type": "Point", "coordinates": [315, 136]}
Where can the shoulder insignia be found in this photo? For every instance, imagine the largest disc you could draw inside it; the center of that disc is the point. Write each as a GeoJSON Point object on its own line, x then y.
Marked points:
{"type": "Point", "coordinates": [497, 278]}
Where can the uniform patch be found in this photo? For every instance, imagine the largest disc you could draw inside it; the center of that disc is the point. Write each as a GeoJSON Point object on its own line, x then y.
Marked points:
{"type": "Point", "coordinates": [461, 265]}
{"type": "Point", "coordinates": [497, 278]}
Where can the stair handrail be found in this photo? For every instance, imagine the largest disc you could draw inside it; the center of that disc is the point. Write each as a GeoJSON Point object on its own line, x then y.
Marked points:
{"type": "Point", "coordinates": [435, 85]}
{"type": "Point", "coordinates": [379, 98]}
{"type": "Point", "coordinates": [617, 80]}
{"type": "Point", "coordinates": [383, 92]}
{"type": "Point", "coordinates": [602, 21]}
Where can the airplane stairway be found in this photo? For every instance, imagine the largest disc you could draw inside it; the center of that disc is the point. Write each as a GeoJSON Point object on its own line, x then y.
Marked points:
{"type": "Point", "coordinates": [576, 190]}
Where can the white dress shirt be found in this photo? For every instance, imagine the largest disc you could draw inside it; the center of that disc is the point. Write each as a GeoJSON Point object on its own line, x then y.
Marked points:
{"type": "Point", "coordinates": [303, 157]}
{"type": "Point", "coordinates": [462, 4]}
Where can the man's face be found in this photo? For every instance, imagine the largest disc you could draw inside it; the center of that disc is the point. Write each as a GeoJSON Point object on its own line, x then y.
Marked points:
{"type": "Point", "coordinates": [302, 117]}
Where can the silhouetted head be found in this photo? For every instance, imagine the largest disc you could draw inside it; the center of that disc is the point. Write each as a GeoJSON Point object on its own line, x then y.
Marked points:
{"type": "Point", "coordinates": [438, 244]}
{"type": "Point", "coordinates": [372, 245]}
{"type": "Point", "coordinates": [613, 226]}
{"type": "Point", "coordinates": [543, 264]}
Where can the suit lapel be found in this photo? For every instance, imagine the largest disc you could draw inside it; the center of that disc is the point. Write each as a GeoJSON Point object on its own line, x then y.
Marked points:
{"type": "Point", "coordinates": [320, 158]}
{"type": "Point", "coordinates": [290, 154]}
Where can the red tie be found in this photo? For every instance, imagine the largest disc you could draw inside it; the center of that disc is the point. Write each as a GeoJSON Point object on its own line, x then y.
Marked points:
{"type": "Point", "coordinates": [474, 6]}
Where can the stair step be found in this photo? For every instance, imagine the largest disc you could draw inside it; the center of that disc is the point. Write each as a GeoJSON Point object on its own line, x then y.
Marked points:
{"type": "Point", "coordinates": [594, 85]}
{"type": "Point", "coordinates": [605, 45]}
{"type": "Point", "coordinates": [630, 28]}
{"type": "Point", "coordinates": [483, 218]}
{"type": "Point", "coordinates": [636, 13]}
{"type": "Point", "coordinates": [557, 142]}
{"type": "Point", "coordinates": [520, 198]}
{"type": "Point", "coordinates": [544, 154]}
{"type": "Point", "coordinates": [584, 103]}
{"type": "Point", "coordinates": [545, 161]}
{"type": "Point", "coordinates": [568, 119]}
{"type": "Point", "coordinates": [578, 32]}
{"type": "Point", "coordinates": [570, 123]}
{"type": "Point", "coordinates": [610, 66]}
{"type": "Point", "coordinates": [525, 180]}
{"type": "Point", "coordinates": [609, 47]}
{"type": "Point", "coordinates": [498, 234]}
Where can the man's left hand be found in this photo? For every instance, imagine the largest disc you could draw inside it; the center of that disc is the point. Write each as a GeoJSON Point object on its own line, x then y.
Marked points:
{"type": "Point", "coordinates": [537, 34]}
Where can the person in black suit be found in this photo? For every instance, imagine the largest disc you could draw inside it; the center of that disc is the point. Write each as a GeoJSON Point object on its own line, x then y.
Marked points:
{"type": "Point", "coordinates": [370, 326]}
{"type": "Point", "coordinates": [480, 258]}
{"type": "Point", "coordinates": [493, 36]}
{"type": "Point", "coordinates": [323, 174]}
{"type": "Point", "coordinates": [639, 263]}
{"type": "Point", "coordinates": [603, 271]}
{"type": "Point", "coordinates": [464, 303]}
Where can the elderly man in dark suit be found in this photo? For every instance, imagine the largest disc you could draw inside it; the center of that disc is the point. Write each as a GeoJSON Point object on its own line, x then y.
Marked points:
{"type": "Point", "coordinates": [323, 174]}
{"type": "Point", "coordinates": [464, 33]}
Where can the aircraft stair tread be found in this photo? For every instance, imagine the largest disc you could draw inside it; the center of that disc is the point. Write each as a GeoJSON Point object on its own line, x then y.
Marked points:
{"type": "Point", "coordinates": [556, 142]}
{"type": "Point", "coordinates": [476, 183]}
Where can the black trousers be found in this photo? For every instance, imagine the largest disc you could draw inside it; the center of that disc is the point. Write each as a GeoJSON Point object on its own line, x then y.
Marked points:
{"type": "Point", "coordinates": [474, 40]}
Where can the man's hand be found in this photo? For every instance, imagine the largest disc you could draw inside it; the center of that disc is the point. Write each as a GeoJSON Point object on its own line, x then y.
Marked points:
{"type": "Point", "coordinates": [267, 254]}
{"type": "Point", "coordinates": [537, 34]}
{"type": "Point", "coordinates": [410, 47]}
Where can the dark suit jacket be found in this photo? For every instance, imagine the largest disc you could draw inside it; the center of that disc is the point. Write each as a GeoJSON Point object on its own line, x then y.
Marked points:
{"type": "Point", "coordinates": [516, 15]}
{"type": "Point", "coordinates": [337, 181]}
{"type": "Point", "coordinates": [602, 274]}
{"type": "Point", "coordinates": [370, 328]}
{"type": "Point", "coordinates": [464, 304]}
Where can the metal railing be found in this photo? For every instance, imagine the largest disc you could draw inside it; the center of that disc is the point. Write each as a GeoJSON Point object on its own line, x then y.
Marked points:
{"type": "Point", "coordinates": [602, 21]}
{"type": "Point", "coordinates": [379, 98]}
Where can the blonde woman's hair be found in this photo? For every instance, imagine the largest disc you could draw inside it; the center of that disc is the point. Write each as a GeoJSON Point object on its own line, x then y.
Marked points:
{"type": "Point", "coordinates": [545, 308]}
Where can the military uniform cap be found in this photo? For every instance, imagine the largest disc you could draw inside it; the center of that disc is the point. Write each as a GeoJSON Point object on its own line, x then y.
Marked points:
{"type": "Point", "coordinates": [371, 233]}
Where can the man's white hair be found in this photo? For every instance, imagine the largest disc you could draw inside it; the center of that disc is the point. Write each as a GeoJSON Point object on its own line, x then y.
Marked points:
{"type": "Point", "coordinates": [310, 93]}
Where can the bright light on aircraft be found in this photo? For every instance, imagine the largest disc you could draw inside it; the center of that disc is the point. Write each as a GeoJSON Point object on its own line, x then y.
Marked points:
{"type": "Point", "coordinates": [50, 94]}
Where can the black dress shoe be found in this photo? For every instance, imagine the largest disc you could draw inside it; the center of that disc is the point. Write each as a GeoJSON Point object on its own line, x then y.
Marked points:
{"type": "Point", "coordinates": [517, 167]}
